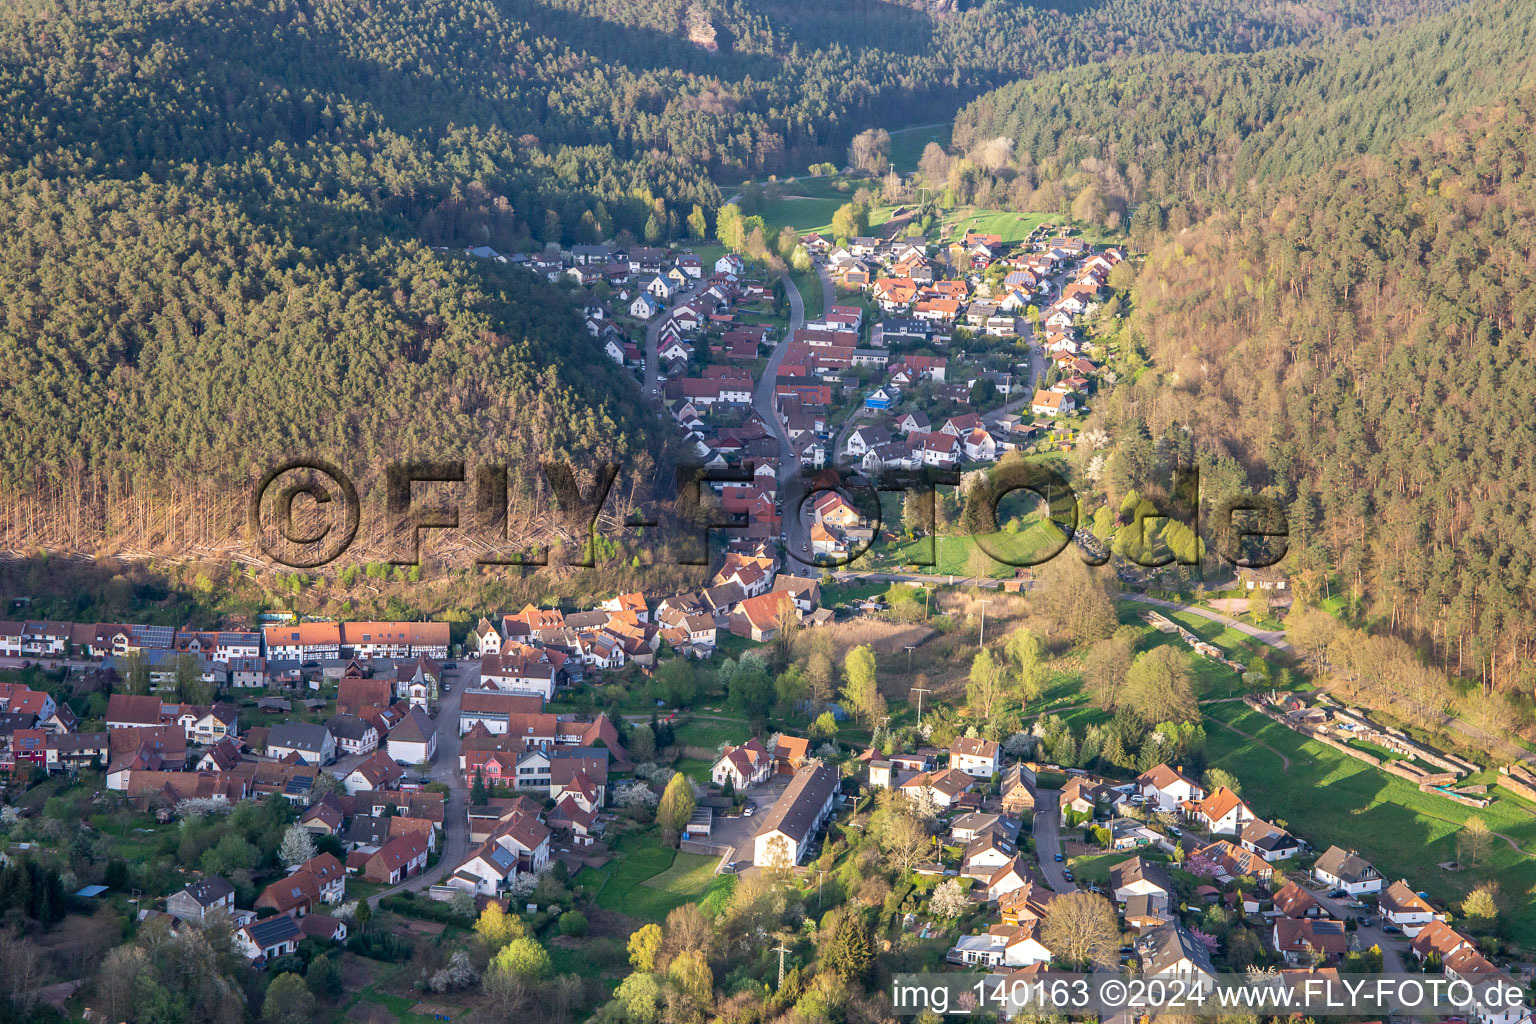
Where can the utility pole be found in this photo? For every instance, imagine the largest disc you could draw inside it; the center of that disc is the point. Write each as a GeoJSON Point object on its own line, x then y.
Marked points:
{"type": "Point", "coordinates": [920, 690]}
{"type": "Point", "coordinates": [909, 657]}
{"type": "Point", "coordinates": [781, 950]}
{"type": "Point", "coordinates": [983, 641]}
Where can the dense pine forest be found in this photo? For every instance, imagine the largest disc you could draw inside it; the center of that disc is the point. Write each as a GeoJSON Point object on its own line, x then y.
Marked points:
{"type": "Point", "coordinates": [1338, 300]}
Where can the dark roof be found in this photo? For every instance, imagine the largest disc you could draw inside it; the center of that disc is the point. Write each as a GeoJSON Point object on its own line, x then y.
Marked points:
{"type": "Point", "coordinates": [1172, 943]}
{"type": "Point", "coordinates": [349, 727]}
{"type": "Point", "coordinates": [417, 728]}
{"type": "Point", "coordinates": [298, 735]}
{"type": "Point", "coordinates": [798, 810]}
{"type": "Point", "coordinates": [1136, 869]}
{"type": "Point", "coordinates": [366, 830]}
{"type": "Point", "coordinates": [273, 930]}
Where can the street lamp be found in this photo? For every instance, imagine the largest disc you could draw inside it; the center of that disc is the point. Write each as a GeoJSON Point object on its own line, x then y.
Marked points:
{"type": "Point", "coordinates": [983, 641]}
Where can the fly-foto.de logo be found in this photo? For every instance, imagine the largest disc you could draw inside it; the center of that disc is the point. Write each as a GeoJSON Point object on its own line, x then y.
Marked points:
{"type": "Point", "coordinates": [306, 513]}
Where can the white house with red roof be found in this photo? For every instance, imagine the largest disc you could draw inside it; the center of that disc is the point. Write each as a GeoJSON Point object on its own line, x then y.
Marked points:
{"type": "Point", "coordinates": [745, 766]}
{"type": "Point", "coordinates": [1168, 788]}
{"type": "Point", "coordinates": [1222, 813]}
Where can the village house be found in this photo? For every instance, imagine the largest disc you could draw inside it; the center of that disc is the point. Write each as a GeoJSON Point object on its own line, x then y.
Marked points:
{"type": "Point", "coordinates": [1308, 940]}
{"type": "Point", "coordinates": [1139, 877]}
{"type": "Point", "coordinates": [1222, 813]}
{"type": "Point", "coordinates": [269, 938]}
{"type": "Point", "coordinates": [744, 766]}
{"type": "Point", "coordinates": [944, 787]}
{"type": "Point", "coordinates": [353, 735]}
{"type": "Point", "coordinates": [1018, 789]}
{"type": "Point", "coordinates": [413, 741]}
{"type": "Point", "coordinates": [1171, 952]}
{"type": "Point", "coordinates": [201, 898]}
{"type": "Point", "coordinates": [1271, 842]}
{"type": "Point", "coordinates": [377, 772]}
{"type": "Point", "coordinates": [976, 757]}
{"type": "Point", "coordinates": [1168, 789]}
{"type": "Point", "coordinates": [1344, 869]}
{"type": "Point", "coordinates": [1002, 945]}
{"type": "Point", "coordinates": [759, 617]}
{"type": "Point", "coordinates": [1401, 906]}
{"type": "Point", "coordinates": [1052, 403]}
{"type": "Point", "coordinates": [796, 817]}
{"type": "Point", "coordinates": [1294, 900]}
{"type": "Point", "coordinates": [313, 744]}
{"type": "Point", "coordinates": [393, 862]}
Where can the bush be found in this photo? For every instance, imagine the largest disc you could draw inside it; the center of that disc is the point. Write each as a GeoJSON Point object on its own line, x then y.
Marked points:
{"type": "Point", "coordinates": [429, 910]}
{"type": "Point", "coordinates": [573, 922]}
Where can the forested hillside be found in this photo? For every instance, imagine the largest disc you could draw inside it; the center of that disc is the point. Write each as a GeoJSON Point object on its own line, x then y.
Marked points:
{"type": "Point", "coordinates": [1340, 301]}
{"type": "Point", "coordinates": [217, 214]}
{"type": "Point", "coordinates": [1175, 129]}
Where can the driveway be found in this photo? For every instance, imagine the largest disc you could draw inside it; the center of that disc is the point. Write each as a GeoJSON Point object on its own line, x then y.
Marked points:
{"type": "Point", "coordinates": [1392, 946]}
{"type": "Point", "coordinates": [1048, 839]}
{"type": "Point", "coordinates": [738, 831]}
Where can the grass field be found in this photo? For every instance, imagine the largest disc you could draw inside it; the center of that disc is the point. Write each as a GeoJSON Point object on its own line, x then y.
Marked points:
{"type": "Point", "coordinates": [648, 879]}
{"type": "Point", "coordinates": [809, 285]}
{"type": "Point", "coordinates": [806, 203]}
{"type": "Point", "coordinates": [907, 144]}
{"type": "Point", "coordinates": [1330, 798]}
{"type": "Point", "coordinates": [953, 554]}
{"type": "Point", "coordinates": [695, 768]}
{"type": "Point", "coordinates": [1211, 679]}
{"type": "Point", "coordinates": [710, 732]}
{"type": "Point", "coordinates": [1013, 227]}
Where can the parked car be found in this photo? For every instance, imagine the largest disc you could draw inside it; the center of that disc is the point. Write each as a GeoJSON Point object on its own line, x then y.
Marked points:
{"type": "Point", "coordinates": [1338, 894]}
{"type": "Point", "coordinates": [450, 664]}
{"type": "Point", "coordinates": [1067, 875]}
{"type": "Point", "coordinates": [1391, 929]}
{"type": "Point", "coordinates": [1058, 858]}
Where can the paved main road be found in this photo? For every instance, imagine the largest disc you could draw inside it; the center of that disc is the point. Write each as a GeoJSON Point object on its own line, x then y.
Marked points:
{"type": "Point", "coordinates": [763, 404]}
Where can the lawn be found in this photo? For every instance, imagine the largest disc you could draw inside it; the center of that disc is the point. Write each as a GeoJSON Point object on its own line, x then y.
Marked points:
{"type": "Point", "coordinates": [953, 554]}
{"type": "Point", "coordinates": [647, 879]}
{"type": "Point", "coordinates": [809, 285]}
{"type": "Point", "coordinates": [1333, 799]}
{"type": "Point", "coordinates": [689, 875]}
{"type": "Point", "coordinates": [695, 768]}
{"type": "Point", "coordinates": [834, 594]}
{"type": "Point", "coordinates": [1211, 679]}
{"type": "Point", "coordinates": [1095, 867]}
{"type": "Point", "coordinates": [709, 733]}
{"type": "Point", "coordinates": [807, 204]}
